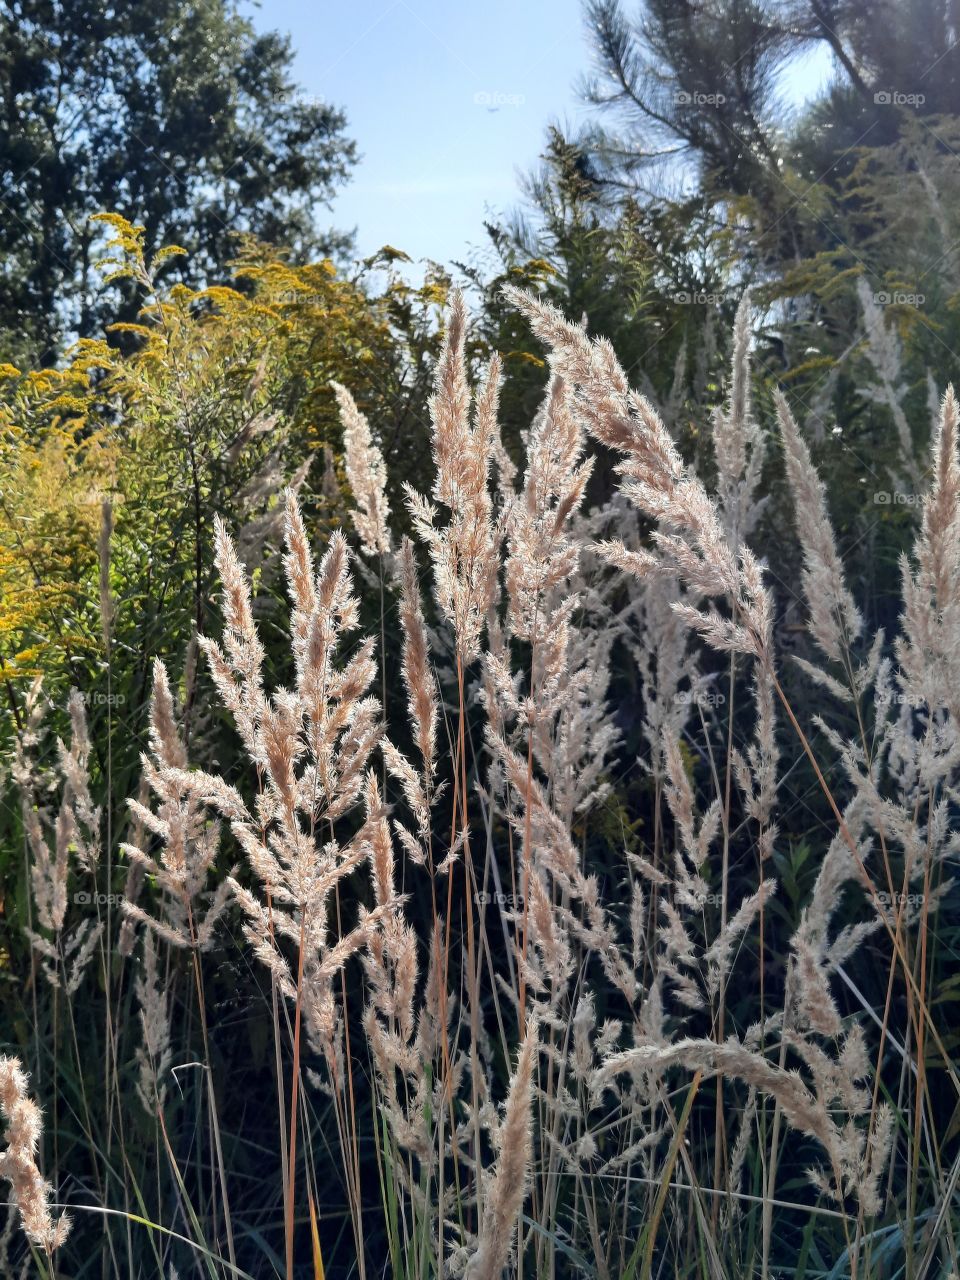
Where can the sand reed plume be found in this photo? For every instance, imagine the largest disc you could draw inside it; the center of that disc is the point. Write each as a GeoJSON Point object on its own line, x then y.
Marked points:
{"type": "Point", "coordinates": [18, 1164]}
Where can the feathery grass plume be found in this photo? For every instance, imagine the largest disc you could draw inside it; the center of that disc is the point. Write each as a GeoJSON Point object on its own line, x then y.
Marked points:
{"type": "Point", "coordinates": [659, 641]}
{"type": "Point", "coordinates": [565, 705]}
{"type": "Point", "coordinates": [537, 729]}
{"type": "Point", "coordinates": [808, 1106]}
{"type": "Point", "coordinates": [51, 867]}
{"type": "Point", "coordinates": [390, 965]}
{"type": "Point", "coordinates": [562, 908]}
{"type": "Point", "coordinates": [835, 622]}
{"type": "Point", "coordinates": [737, 441]}
{"type": "Point", "coordinates": [505, 1196]}
{"type": "Point", "coordinates": [542, 555]}
{"type": "Point", "coordinates": [928, 651]}
{"type": "Point", "coordinates": [189, 841]}
{"type": "Point", "coordinates": [367, 475]}
{"type": "Point", "coordinates": [311, 746]}
{"type": "Point", "coordinates": [813, 957]}
{"type": "Point", "coordinates": [77, 949]}
{"type": "Point", "coordinates": [462, 550]}
{"type": "Point", "coordinates": [695, 841]}
{"type": "Point", "coordinates": [237, 669]}
{"type": "Point", "coordinates": [75, 771]}
{"type": "Point", "coordinates": [419, 789]}
{"type": "Point", "coordinates": [678, 959]}
{"type": "Point", "coordinates": [756, 768]}
{"type": "Point", "coordinates": [450, 406]}
{"type": "Point", "coordinates": [103, 548]}
{"type": "Point", "coordinates": [415, 668]}
{"type": "Point", "coordinates": [154, 1055]}
{"type": "Point", "coordinates": [577, 752]}
{"type": "Point", "coordinates": [691, 541]}
{"type": "Point", "coordinates": [133, 885]}
{"type": "Point", "coordinates": [739, 449]}
{"type": "Point", "coordinates": [506, 468]}
{"type": "Point", "coordinates": [909, 813]}
{"type": "Point", "coordinates": [671, 407]}
{"type": "Point", "coordinates": [75, 838]}
{"type": "Point", "coordinates": [18, 1164]}
{"type": "Point", "coordinates": [23, 769]}
{"type": "Point", "coordinates": [260, 515]}
{"type": "Point", "coordinates": [885, 355]}
{"type": "Point", "coordinates": [738, 1159]}
{"type": "Point", "coordinates": [719, 955]}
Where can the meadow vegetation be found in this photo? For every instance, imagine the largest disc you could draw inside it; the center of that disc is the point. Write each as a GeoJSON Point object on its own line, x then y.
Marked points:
{"type": "Point", "coordinates": [480, 756]}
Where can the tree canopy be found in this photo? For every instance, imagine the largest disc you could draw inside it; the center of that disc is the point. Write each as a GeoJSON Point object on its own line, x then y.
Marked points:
{"type": "Point", "coordinates": [180, 117]}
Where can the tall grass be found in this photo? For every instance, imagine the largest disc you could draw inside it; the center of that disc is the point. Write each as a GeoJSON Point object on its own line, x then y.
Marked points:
{"type": "Point", "coordinates": [553, 1036]}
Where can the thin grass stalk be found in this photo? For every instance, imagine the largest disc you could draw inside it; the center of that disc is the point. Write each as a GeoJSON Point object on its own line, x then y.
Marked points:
{"type": "Point", "coordinates": [720, 1132]}
{"type": "Point", "coordinates": [294, 1098]}
{"type": "Point", "coordinates": [354, 1147]}
{"type": "Point", "coordinates": [211, 1093]}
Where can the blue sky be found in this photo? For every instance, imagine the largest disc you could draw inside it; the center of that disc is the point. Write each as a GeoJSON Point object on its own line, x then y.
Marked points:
{"type": "Point", "coordinates": [448, 101]}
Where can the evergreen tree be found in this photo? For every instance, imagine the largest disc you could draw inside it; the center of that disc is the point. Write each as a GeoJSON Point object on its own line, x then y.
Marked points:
{"type": "Point", "coordinates": [703, 79]}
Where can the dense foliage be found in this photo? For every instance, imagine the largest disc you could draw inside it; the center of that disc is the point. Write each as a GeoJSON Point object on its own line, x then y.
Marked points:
{"type": "Point", "coordinates": [178, 116]}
